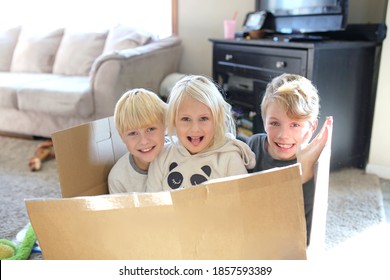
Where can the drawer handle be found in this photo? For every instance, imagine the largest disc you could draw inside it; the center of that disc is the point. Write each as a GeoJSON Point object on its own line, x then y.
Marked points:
{"type": "Point", "coordinates": [228, 57]}
{"type": "Point", "coordinates": [281, 64]}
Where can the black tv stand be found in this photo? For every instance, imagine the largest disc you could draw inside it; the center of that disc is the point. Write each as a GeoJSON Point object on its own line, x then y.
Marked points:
{"type": "Point", "coordinates": [297, 38]}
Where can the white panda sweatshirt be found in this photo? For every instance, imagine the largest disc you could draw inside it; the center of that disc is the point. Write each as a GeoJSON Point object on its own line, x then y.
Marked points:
{"type": "Point", "coordinates": [176, 168]}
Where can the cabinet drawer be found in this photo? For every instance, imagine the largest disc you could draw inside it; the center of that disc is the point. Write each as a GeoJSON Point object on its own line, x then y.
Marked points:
{"type": "Point", "coordinates": [259, 60]}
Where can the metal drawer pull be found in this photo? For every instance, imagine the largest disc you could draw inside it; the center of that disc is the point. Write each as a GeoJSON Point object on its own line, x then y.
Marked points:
{"type": "Point", "coordinates": [281, 64]}
{"type": "Point", "coordinates": [228, 57]}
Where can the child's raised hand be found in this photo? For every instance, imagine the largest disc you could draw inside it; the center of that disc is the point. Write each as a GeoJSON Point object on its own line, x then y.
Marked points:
{"type": "Point", "coordinates": [308, 154]}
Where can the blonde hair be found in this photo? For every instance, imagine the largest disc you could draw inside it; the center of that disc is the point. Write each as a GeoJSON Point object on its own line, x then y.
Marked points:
{"type": "Point", "coordinates": [138, 108]}
{"type": "Point", "coordinates": [296, 94]}
{"type": "Point", "coordinates": [207, 92]}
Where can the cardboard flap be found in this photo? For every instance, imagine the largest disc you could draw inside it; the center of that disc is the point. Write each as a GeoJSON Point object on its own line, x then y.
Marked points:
{"type": "Point", "coordinates": [85, 155]}
{"type": "Point", "coordinates": [320, 204]}
{"type": "Point", "coordinates": [252, 216]}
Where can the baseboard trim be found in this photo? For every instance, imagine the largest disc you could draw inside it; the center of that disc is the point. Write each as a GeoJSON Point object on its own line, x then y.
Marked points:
{"type": "Point", "coordinates": [15, 135]}
{"type": "Point", "coordinates": [381, 170]}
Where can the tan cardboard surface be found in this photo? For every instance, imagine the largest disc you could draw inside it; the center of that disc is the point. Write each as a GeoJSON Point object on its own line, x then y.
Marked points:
{"type": "Point", "coordinates": [255, 216]}
{"type": "Point", "coordinates": [85, 155]}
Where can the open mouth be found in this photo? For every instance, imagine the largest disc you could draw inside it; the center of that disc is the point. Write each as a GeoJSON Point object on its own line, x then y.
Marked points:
{"type": "Point", "coordinates": [146, 150]}
{"type": "Point", "coordinates": [195, 140]}
{"type": "Point", "coordinates": [284, 146]}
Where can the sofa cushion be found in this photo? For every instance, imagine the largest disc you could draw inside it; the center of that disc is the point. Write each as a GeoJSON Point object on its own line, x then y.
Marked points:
{"type": "Point", "coordinates": [10, 83]}
{"type": "Point", "coordinates": [78, 51]}
{"type": "Point", "coordinates": [123, 37]}
{"type": "Point", "coordinates": [62, 96]}
{"type": "Point", "coordinates": [35, 50]}
{"type": "Point", "coordinates": [8, 39]}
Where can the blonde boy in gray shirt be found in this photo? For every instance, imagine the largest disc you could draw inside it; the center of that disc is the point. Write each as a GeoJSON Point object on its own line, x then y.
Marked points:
{"type": "Point", "coordinates": [139, 118]}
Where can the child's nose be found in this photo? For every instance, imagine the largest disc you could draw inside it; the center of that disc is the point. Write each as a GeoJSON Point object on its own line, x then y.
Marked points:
{"type": "Point", "coordinates": [195, 126]}
{"type": "Point", "coordinates": [144, 139]}
{"type": "Point", "coordinates": [283, 132]}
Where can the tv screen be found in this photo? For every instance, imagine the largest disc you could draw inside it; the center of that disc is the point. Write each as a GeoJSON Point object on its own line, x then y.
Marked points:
{"type": "Point", "coordinates": [306, 16]}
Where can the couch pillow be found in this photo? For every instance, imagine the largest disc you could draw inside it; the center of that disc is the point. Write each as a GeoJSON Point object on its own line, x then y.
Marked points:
{"type": "Point", "coordinates": [123, 37]}
{"type": "Point", "coordinates": [77, 52]}
{"type": "Point", "coordinates": [35, 50]}
{"type": "Point", "coordinates": [8, 39]}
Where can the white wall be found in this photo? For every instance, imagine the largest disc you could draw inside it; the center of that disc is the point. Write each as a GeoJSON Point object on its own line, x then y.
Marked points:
{"type": "Point", "coordinates": [379, 159]}
{"type": "Point", "coordinates": [200, 20]}
{"type": "Point", "coordinates": [367, 11]}
{"type": "Point", "coordinates": [89, 14]}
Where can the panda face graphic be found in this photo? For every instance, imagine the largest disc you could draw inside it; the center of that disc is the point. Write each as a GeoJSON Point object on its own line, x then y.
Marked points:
{"type": "Point", "coordinates": [175, 178]}
{"type": "Point", "coordinates": [197, 179]}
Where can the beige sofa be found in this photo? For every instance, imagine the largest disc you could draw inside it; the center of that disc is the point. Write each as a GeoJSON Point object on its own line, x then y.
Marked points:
{"type": "Point", "coordinates": [55, 79]}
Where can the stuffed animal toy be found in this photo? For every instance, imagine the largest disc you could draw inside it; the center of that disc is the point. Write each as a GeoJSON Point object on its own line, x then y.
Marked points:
{"type": "Point", "coordinates": [44, 151]}
{"type": "Point", "coordinates": [10, 251]}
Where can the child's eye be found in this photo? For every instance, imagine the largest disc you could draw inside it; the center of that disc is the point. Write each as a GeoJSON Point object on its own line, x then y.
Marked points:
{"type": "Point", "coordinates": [185, 119]}
{"type": "Point", "coordinates": [151, 129]}
{"type": "Point", "coordinates": [132, 133]}
{"type": "Point", "coordinates": [295, 125]}
{"type": "Point", "coordinates": [203, 119]}
{"type": "Point", "coordinates": [274, 123]}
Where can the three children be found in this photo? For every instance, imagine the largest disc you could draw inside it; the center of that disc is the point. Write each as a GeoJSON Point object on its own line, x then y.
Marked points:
{"type": "Point", "coordinates": [202, 131]}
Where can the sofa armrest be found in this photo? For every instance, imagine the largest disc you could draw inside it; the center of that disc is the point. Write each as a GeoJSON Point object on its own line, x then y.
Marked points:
{"type": "Point", "coordinates": [146, 66]}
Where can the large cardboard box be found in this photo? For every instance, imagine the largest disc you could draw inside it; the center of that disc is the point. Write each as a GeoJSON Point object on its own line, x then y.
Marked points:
{"type": "Point", "coordinates": [252, 216]}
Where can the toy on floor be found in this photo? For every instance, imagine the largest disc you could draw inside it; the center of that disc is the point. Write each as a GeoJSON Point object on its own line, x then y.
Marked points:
{"type": "Point", "coordinates": [10, 251]}
{"type": "Point", "coordinates": [44, 151]}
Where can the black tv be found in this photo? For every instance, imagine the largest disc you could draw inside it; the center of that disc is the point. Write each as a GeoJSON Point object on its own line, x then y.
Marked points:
{"type": "Point", "coordinates": [306, 16]}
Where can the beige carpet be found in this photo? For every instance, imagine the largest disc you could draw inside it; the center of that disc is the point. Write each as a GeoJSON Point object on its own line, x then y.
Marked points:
{"type": "Point", "coordinates": [17, 182]}
{"type": "Point", "coordinates": [355, 199]}
{"type": "Point", "coordinates": [355, 204]}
